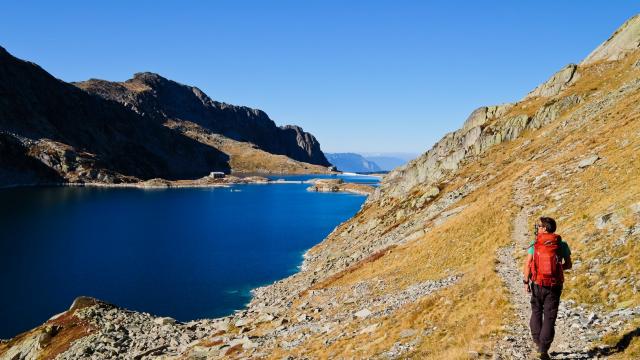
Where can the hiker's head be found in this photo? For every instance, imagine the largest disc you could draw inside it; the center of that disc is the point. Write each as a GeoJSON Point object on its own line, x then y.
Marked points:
{"type": "Point", "coordinates": [548, 224]}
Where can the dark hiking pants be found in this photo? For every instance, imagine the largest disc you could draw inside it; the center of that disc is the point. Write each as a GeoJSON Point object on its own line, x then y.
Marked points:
{"type": "Point", "coordinates": [544, 310]}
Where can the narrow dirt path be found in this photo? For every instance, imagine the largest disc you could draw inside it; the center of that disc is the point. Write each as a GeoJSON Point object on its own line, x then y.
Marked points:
{"type": "Point", "coordinates": [518, 345]}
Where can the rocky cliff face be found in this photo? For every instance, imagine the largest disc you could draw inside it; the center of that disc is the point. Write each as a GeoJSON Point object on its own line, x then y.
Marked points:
{"type": "Point", "coordinates": [162, 99]}
{"type": "Point", "coordinates": [429, 267]}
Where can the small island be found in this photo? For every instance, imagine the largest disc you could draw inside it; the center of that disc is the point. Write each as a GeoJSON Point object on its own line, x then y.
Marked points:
{"type": "Point", "coordinates": [339, 185]}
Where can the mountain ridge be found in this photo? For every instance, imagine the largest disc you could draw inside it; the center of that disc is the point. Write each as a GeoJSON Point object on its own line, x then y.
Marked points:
{"type": "Point", "coordinates": [112, 136]}
{"type": "Point", "coordinates": [163, 99]}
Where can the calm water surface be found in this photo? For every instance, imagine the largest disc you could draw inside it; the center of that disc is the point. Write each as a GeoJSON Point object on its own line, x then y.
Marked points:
{"type": "Point", "coordinates": [184, 253]}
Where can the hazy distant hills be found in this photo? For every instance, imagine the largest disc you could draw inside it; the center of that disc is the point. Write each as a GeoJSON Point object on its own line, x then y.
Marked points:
{"type": "Point", "coordinates": [368, 162]}
{"type": "Point", "coordinates": [352, 162]}
{"type": "Point", "coordinates": [389, 161]}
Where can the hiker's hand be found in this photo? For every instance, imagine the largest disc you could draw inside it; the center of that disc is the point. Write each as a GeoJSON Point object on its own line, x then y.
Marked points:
{"type": "Point", "coordinates": [527, 288]}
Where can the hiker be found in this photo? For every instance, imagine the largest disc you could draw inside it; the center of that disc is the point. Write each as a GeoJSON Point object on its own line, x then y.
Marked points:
{"type": "Point", "coordinates": [547, 257]}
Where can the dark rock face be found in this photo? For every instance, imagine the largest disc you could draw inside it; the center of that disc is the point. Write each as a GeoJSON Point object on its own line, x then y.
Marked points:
{"type": "Point", "coordinates": [39, 108]}
{"type": "Point", "coordinates": [308, 146]}
{"type": "Point", "coordinates": [162, 99]}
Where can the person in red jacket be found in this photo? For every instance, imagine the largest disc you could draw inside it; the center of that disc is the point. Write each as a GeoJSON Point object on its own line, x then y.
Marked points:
{"type": "Point", "coordinates": [547, 258]}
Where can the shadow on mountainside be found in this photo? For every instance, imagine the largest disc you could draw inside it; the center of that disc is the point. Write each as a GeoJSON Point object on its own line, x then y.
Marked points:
{"type": "Point", "coordinates": [603, 350]}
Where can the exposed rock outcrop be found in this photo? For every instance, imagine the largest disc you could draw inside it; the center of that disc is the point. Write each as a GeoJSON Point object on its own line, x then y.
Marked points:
{"type": "Point", "coordinates": [246, 157]}
{"type": "Point", "coordinates": [484, 128]}
{"type": "Point", "coordinates": [558, 82]}
{"type": "Point", "coordinates": [19, 168]}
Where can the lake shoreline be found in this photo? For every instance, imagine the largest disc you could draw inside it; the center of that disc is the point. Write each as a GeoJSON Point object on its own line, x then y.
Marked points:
{"type": "Point", "coordinates": [141, 318]}
{"type": "Point", "coordinates": [205, 182]}
{"type": "Point", "coordinates": [138, 315]}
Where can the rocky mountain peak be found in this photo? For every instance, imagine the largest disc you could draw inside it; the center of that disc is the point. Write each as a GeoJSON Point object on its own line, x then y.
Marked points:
{"type": "Point", "coordinates": [148, 77]}
{"type": "Point", "coordinates": [623, 41]}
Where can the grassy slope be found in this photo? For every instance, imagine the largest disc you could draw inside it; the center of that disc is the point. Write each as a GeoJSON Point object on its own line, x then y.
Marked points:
{"type": "Point", "coordinates": [471, 314]}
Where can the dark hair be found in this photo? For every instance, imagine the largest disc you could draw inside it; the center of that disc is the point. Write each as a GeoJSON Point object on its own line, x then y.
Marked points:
{"type": "Point", "coordinates": [548, 223]}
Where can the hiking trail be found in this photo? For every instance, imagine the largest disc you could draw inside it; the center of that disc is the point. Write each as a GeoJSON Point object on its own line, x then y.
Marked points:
{"type": "Point", "coordinates": [518, 344]}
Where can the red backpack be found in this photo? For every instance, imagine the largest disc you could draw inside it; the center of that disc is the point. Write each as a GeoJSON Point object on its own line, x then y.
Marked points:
{"type": "Point", "coordinates": [546, 267]}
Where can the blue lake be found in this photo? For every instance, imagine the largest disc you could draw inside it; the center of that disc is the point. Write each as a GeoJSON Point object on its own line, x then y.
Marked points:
{"type": "Point", "coordinates": [184, 253]}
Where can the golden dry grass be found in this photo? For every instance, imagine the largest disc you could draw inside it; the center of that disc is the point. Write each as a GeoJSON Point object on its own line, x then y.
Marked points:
{"type": "Point", "coordinates": [470, 315]}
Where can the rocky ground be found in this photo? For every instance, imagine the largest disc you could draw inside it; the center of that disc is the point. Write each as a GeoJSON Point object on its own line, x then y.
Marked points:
{"type": "Point", "coordinates": [579, 328]}
{"type": "Point", "coordinates": [110, 332]}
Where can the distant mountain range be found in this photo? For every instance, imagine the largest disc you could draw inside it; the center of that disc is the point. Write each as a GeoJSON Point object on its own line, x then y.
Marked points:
{"type": "Point", "coordinates": [364, 163]}
{"type": "Point", "coordinates": [390, 161]}
{"type": "Point", "coordinates": [146, 127]}
{"type": "Point", "coordinates": [352, 162]}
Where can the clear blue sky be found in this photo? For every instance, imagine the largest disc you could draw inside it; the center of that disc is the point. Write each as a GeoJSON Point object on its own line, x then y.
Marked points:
{"type": "Point", "coordinates": [367, 76]}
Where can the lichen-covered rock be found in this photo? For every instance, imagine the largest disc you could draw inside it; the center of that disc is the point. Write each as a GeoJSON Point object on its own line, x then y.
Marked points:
{"type": "Point", "coordinates": [550, 111]}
